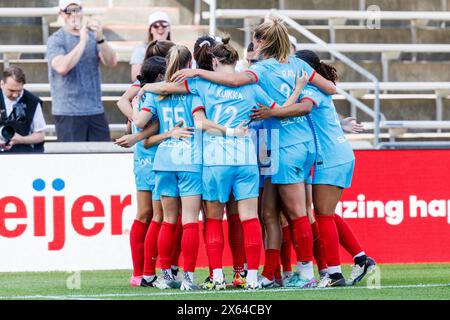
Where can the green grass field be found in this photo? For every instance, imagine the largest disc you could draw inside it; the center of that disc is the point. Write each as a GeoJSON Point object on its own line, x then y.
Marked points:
{"type": "Point", "coordinates": [421, 281]}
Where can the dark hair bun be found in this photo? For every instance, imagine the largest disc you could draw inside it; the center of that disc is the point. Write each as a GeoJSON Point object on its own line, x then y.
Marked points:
{"type": "Point", "coordinates": [226, 40]}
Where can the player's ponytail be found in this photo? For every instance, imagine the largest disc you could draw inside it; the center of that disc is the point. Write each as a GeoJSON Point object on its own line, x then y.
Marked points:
{"type": "Point", "coordinates": [203, 52]}
{"type": "Point", "coordinates": [225, 53]}
{"type": "Point", "coordinates": [325, 70]}
{"type": "Point", "coordinates": [151, 69]}
{"type": "Point", "coordinates": [274, 38]}
{"type": "Point", "coordinates": [158, 48]}
{"type": "Point", "coordinates": [177, 59]}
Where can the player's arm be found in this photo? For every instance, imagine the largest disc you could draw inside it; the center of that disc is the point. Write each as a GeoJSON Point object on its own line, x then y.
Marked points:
{"type": "Point", "coordinates": [227, 79]}
{"type": "Point", "coordinates": [300, 83]}
{"type": "Point", "coordinates": [129, 140]}
{"type": "Point", "coordinates": [124, 102]}
{"type": "Point", "coordinates": [323, 84]}
{"type": "Point", "coordinates": [203, 123]}
{"type": "Point", "coordinates": [349, 125]}
{"type": "Point", "coordinates": [302, 108]}
{"type": "Point", "coordinates": [165, 88]}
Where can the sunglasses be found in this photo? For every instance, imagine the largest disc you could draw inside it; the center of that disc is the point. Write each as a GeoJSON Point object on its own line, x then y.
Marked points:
{"type": "Point", "coordinates": [72, 10]}
{"type": "Point", "coordinates": [158, 25]}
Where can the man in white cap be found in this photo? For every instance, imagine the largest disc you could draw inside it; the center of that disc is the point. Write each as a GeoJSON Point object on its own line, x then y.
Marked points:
{"type": "Point", "coordinates": [159, 29]}
{"type": "Point", "coordinates": [74, 53]}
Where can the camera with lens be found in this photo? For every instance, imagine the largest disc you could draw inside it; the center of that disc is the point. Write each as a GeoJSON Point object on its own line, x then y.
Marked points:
{"type": "Point", "coordinates": [17, 115]}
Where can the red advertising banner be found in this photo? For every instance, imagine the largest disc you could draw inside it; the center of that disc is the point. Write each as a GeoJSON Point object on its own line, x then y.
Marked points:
{"type": "Point", "coordinates": [398, 206]}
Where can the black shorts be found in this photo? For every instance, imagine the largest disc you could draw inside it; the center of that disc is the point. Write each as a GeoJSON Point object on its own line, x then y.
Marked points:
{"type": "Point", "coordinates": [82, 128]}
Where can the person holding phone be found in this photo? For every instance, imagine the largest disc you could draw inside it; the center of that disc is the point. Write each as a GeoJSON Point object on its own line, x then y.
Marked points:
{"type": "Point", "coordinates": [74, 54]}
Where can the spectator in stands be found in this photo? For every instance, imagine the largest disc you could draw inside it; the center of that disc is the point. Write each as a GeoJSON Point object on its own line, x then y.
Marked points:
{"type": "Point", "coordinates": [74, 54]}
{"type": "Point", "coordinates": [159, 29]}
{"type": "Point", "coordinates": [28, 120]}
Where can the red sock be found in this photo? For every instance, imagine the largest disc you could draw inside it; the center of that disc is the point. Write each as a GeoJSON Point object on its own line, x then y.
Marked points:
{"type": "Point", "coordinates": [286, 248]}
{"type": "Point", "coordinates": [204, 241]}
{"type": "Point", "coordinates": [137, 239]}
{"type": "Point", "coordinates": [318, 247]}
{"type": "Point", "coordinates": [329, 234]}
{"type": "Point", "coordinates": [236, 242]}
{"type": "Point", "coordinates": [278, 271]}
{"type": "Point", "coordinates": [189, 244]}
{"type": "Point", "coordinates": [346, 236]}
{"type": "Point", "coordinates": [165, 244]}
{"type": "Point", "coordinates": [271, 262]}
{"type": "Point", "coordinates": [151, 248]}
{"type": "Point", "coordinates": [304, 238]}
{"type": "Point", "coordinates": [292, 235]}
{"type": "Point", "coordinates": [214, 242]}
{"type": "Point", "coordinates": [177, 242]}
{"type": "Point", "coordinates": [253, 242]}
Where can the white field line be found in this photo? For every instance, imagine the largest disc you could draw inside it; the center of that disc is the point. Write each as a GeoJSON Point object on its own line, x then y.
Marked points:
{"type": "Point", "coordinates": [182, 293]}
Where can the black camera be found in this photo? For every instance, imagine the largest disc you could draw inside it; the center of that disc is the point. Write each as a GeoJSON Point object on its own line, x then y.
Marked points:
{"type": "Point", "coordinates": [18, 114]}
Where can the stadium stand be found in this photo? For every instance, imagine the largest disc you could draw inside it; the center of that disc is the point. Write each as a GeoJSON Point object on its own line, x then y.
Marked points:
{"type": "Point", "coordinates": [408, 51]}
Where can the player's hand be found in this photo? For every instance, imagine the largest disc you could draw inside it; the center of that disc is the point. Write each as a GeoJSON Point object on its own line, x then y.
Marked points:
{"type": "Point", "coordinates": [261, 113]}
{"type": "Point", "coordinates": [126, 141]}
{"type": "Point", "coordinates": [184, 74]}
{"type": "Point", "coordinates": [241, 130]}
{"type": "Point", "coordinates": [300, 82]}
{"type": "Point", "coordinates": [349, 125]}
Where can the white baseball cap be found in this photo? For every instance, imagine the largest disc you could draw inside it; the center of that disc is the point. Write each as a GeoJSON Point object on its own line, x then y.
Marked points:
{"type": "Point", "coordinates": [158, 16]}
{"type": "Point", "coordinates": [63, 4]}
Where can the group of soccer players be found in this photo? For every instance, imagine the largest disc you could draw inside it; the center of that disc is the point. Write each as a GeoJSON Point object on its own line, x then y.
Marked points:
{"type": "Point", "coordinates": [262, 145]}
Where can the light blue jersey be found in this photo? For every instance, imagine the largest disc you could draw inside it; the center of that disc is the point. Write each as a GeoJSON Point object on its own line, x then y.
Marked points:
{"type": "Point", "coordinates": [333, 148]}
{"type": "Point", "coordinates": [229, 107]}
{"type": "Point", "coordinates": [141, 154]}
{"type": "Point", "coordinates": [176, 154]}
{"type": "Point", "coordinates": [143, 161]}
{"type": "Point", "coordinates": [278, 80]}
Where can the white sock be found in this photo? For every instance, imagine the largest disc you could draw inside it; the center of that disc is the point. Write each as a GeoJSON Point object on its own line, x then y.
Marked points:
{"type": "Point", "coordinates": [252, 276]}
{"type": "Point", "coordinates": [149, 278]}
{"type": "Point", "coordinates": [191, 276]}
{"type": "Point", "coordinates": [245, 266]}
{"type": "Point", "coordinates": [217, 273]}
{"type": "Point", "coordinates": [362, 253]}
{"type": "Point", "coordinates": [306, 270]}
{"type": "Point", "coordinates": [174, 267]}
{"type": "Point", "coordinates": [335, 269]}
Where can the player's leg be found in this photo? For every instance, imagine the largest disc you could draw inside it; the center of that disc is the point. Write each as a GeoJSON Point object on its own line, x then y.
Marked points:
{"type": "Point", "coordinates": [236, 243]}
{"type": "Point", "coordinates": [270, 214]}
{"type": "Point", "coordinates": [151, 244]}
{"type": "Point", "coordinates": [137, 235]}
{"type": "Point", "coordinates": [286, 250]}
{"type": "Point", "coordinates": [325, 198]}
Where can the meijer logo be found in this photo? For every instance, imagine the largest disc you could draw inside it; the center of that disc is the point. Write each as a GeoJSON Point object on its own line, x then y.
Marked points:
{"type": "Point", "coordinates": [81, 209]}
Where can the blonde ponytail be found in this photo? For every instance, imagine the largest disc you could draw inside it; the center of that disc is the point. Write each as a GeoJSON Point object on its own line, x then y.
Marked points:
{"type": "Point", "coordinates": [178, 58]}
{"type": "Point", "coordinates": [275, 39]}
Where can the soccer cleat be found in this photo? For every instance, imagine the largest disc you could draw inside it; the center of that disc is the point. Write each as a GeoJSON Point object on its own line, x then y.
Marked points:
{"type": "Point", "coordinates": [135, 281]}
{"type": "Point", "coordinates": [323, 274]}
{"type": "Point", "coordinates": [219, 284]}
{"type": "Point", "coordinates": [298, 282]}
{"type": "Point", "coordinates": [174, 273]}
{"type": "Point", "coordinates": [207, 284]}
{"type": "Point", "coordinates": [358, 272]}
{"type": "Point", "coordinates": [151, 283]}
{"type": "Point", "coordinates": [329, 281]}
{"type": "Point", "coordinates": [254, 285]}
{"type": "Point", "coordinates": [265, 283]}
{"type": "Point", "coordinates": [166, 281]}
{"type": "Point", "coordinates": [188, 284]}
{"type": "Point", "coordinates": [239, 280]}
{"type": "Point", "coordinates": [287, 278]}
{"type": "Point", "coordinates": [278, 283]}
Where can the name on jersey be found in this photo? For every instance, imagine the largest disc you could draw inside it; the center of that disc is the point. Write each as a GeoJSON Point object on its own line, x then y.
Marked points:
{"type": "Point", "coordinates": [229, 94]}
{"type": "Point", "coordinates": [288, 73]}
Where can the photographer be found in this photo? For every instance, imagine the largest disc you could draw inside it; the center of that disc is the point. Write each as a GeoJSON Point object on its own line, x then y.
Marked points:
{"type": "Point", "coordinates": [74, 53]}
{"type": "Point", "coordinates": [21, 111]}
